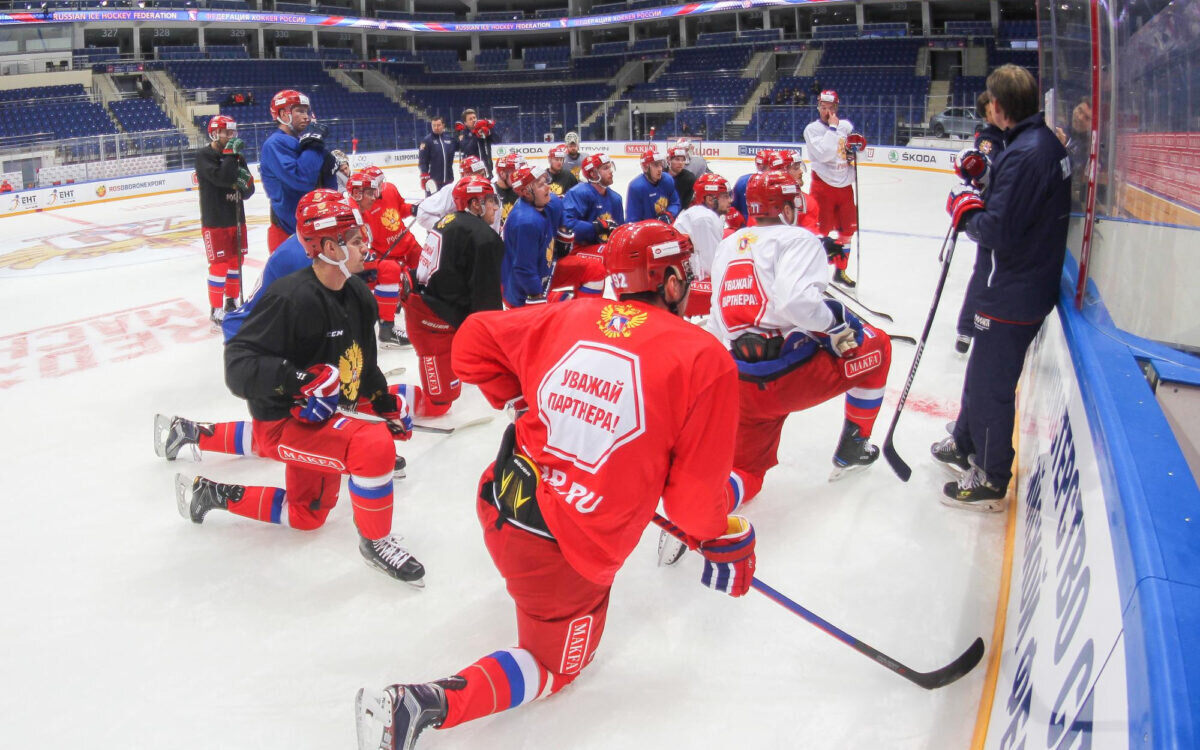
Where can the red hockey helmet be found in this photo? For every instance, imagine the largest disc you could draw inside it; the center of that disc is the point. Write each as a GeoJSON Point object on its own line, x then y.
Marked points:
{"type": "Point", "coordinates": [526, 176]}
{"type": "Point", "coordinates": [507, 164]}
{"type": "Point", "coordinates": [638, 255]}
{"type": "Point", "coordinates": [687, 144]}
{"type": "Point", "coordinates": [591, 166]}
{"type": "Point", "coordinates": [678, 150]}
{"type": "Point", "coordinates": [336, 220]}
{"type": "Point", "coordinates": [652, 156]}
{"type": "Point", "coordinates": [320, 195]}
{"type": "Point", "coordinates": [767, 193]}
{"type": "Point", "coordinates": [762, 159]}
{"type": "Point", "coordinates": [828, 96]}
{"type": "Point", "coordinates": [782, 159]}
{"type": "Point", "coordinates": [217, 123]}
{"type": "Point", "coordinates": [470, 165]}
{"type": "Point", "coordinates": [708, 185]}
{"type": "Point", "coordinates": [360, 180]}
{"type": "Point", "coordinates": [376, 176]}
{"type": "Point", "coordinates": [558, 152]}
{"type": "Point", "coordinates": [284, 101]}
{"type": "Point", "coordinates": [469, 188]}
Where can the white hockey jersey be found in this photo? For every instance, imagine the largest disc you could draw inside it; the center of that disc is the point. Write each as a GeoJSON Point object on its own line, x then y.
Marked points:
{"type": "Point", "coordinates": [827, 151]}
{"type": "Point", "coordinates": [432, 209]}
{"type": "Point", "coordinates": [706, 228]}
{"type": "Point", "coordinates": [769, 280]}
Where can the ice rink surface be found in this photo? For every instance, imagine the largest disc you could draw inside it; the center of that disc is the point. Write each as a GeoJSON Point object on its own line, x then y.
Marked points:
{"type": "Point", "coordinates": [127, 627]}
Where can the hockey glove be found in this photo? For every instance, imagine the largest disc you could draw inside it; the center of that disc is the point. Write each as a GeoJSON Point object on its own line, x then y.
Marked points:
{"type": "Point", "coordinates": [314, 135]}
{"type": "Point", "coordinates": [734, 219]}
{"type": "Point", "coordinates": [603, 228]}
{"type": "Point", "coordinates": [846, 332]}
{"type": "Point", "coordinates": [514, 408]}
{"type": "Point", "coordinates": [320, 389]}
{"type": "Point", "coordinates": [973, 166]}
{"type": "Point", "coordinates": [483, 128]}
{"type": "Point", "coordinates": [729, 559]}
{"type": "Point", "coordinates": [244, 179]}
{"type": "Point", "coordinates": [833, 250]}
{"type": "Point", "coordinates": [234, 147]}
{"type": "Point", "coordinates": [856, 142]}
{"type": "Point", "coordinates": [665, 217]}
{"type": "Point", "coordinates": [962, 202]}
{"type": "Point", "coordinates": [428, 183]}
{"type": "Point", "coordinates": [394, 408]}
{"type": "Point", "coordinates": [564, 239]}
{"type": "Point", "coordinates": [343, 162]}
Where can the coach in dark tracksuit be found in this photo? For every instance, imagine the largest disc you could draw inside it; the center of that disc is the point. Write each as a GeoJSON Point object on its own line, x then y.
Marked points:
{"type": "Point", "coordinates": [989, 140]}
{"type": "Point", "coordinates": [1024, 224]}
{"type": "Point", "coordinates": [435, 157]}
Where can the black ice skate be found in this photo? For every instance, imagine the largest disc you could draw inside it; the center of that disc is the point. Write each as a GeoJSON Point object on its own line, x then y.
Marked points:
{"type": "Point", "coordinates": [962, 343]}
{"type": "Point", "coordinates": [216, 316]}
{"type": "Point", "coordinates": [230, 304]}
{"type": "Point", "coordinates": [387, 555]}
{"type": "Point", "coordinates": [393, 718]}
{"type": "Point", "coordinates": [950, 458]}
{"type": "Point", "coordinates": [398, 472]}
{"type": "Point", "coordinates": [171, 434]}
{"type": "Point", "coordinates": [853, 452]}
{"type": "Point", "coordinates": [390, 338]}
{"type": "Point", "coordinates": [195, 497]}
{"type": "Point", "coordinates": [974, 492]}
{"type": "Point", "coordinates": [841, 277]}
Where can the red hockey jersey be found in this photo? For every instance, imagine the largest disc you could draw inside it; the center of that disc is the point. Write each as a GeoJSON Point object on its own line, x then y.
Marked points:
{"type": "Point", "coordinates": [627, 404]}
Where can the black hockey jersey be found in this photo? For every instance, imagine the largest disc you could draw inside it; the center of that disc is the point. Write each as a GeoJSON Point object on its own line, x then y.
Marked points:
{"type": "Point", "coordinates": [460, 268]}
{"type": "Point", "coordinates": [298, 323]}
{"type": "Point", "coordinates": [216, 179]}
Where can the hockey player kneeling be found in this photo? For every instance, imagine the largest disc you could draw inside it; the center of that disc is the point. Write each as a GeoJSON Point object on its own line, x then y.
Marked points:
{"type": "Point", "coordinates": [794, 349]}
{"type": "Point", "coordinates": [626, 403]}
{"type": "Point", "coordinates": [305, 351]}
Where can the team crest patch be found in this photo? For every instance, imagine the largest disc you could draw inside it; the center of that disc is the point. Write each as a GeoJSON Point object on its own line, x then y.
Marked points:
{"type": "Point", "coordinates": [746, 242]}
{"type": "Point", "coordinates": [859, 365]}
{"type": "Point", "coordinates": [985, 147]}
{"type": "Point", "coordinates": [660, 205]}
{"type": "Point", "coordinates": [390, 219]}
{"type": "Point", "coordinates": [350, 366]}
{"type": "Point", "coordinates": [618, 321]}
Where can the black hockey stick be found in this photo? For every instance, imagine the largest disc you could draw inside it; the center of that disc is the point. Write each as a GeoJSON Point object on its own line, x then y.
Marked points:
{"type": "Point", "coordinates": [941, 677]}
{"type": "Point", "coordinates": [857, 225]}
{"type": "Point", "coordinates": [422, 427]}
{"type": "Point", "coordinates": [859, 302]}
{"type": "Point", "coordinates": [893, 336]}
{"type": "Point", "coordinates": [902, 469]}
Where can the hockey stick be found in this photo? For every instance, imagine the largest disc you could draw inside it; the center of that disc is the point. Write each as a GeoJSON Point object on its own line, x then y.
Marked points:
{"type": "Point", "coordinates": [941, 677]}
{"type": "Point", "coordinates": [421, 427]}
{"type": "Point", "coordinates": [902, 469]}
{"type": "Point", "coordinates": [857, 228]}
{"type": "Point", "coordinates": [394, 372]}
{"type": "Point", "coordinates": [859, 302]}
{"type": "Point", "coordinates": [893, 336]}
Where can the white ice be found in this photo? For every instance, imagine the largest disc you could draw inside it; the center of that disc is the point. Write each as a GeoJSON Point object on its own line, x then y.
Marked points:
{"type": "Point", "coordinates": [125, 626]}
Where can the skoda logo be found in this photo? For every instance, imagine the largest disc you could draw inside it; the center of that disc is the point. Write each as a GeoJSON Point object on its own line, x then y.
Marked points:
{"type": "Point", "coordinates": [893, 157]}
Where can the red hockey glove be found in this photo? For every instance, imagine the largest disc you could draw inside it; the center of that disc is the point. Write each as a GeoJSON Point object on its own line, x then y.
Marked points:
{"type": "Point", "coordinates": [459, 127]}
{"type": "Point", "coordinates": [483, 128]}
{"type": "Point", "coordinates": [394, 408]}
{"type": "Point", "coordinates": [729, 559]}
{"type": "Point", "coordinates": [603, 228]}
{"type": "Point", "coordinates": [963, 201]}
{"type": "Point", "coordinates": [833, 250]}
{"type": "Point", "coordinates": [973, 166]}
{"type": "Point", "coordinates": [856, 142]}
{"type": "Point", "coordinates": [320, 389]}
{"type": "Point", "coordinates": [666, 217]}
{"type": "Point", "coordinates": [734, 219]}
{"type": "Point", "coordinates": [564, 239]}
{"type": "Point", "coordinates": [428, 184]}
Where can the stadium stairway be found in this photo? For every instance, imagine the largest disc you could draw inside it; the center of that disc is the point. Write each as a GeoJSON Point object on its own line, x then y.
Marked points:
{"type": "Point", "coordinates": [375, 81]}
{"type": "Point", "coordinates": [621, 82]}
{"type": "Point", "coordinates": [939, 98]}
{"type": "Point", "coordinates": [344, 78]}
{"type": "Point", "coordinates": [173, 104]}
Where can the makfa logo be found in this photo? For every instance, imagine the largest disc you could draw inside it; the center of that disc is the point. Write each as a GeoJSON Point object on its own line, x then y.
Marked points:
{"type": "Point", "coordinates": [893, 156]}
{"type": "Point", "coordinates": [291, 454]}
{"type": "Point", "coordinates": [859, 365]}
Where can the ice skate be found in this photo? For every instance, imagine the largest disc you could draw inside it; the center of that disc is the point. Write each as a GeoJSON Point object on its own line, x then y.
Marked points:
{"type": "Point", "coordinates": [950, 458]}
{"type": "Point", "coordinates": [962, 343]}
{"type": "Point", "coordinates": [196, 496]}
{"type": "Point", "coordinates": [670, 549]}
{"type": "Point", "coordinates": [171, 434]}
{"type": "Point", "coordinates": [853, 452]}
{"type": "Point", "coordinates": [387, 555]}
{"type": "Point", "coordinates": [394, 717]}
{"type": "Point", "coordinates": [390, 338]}
{"type": "Point", "coordinates": [398, 472]}
{"type": "Point", "coordinates": [216, 316]}
{"type": "Point", "coordinates": [230, 304]}
{"type": "Point", "coordinates": [841, 277]}
{"type": "Point", "coordinates": [974, 492]}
